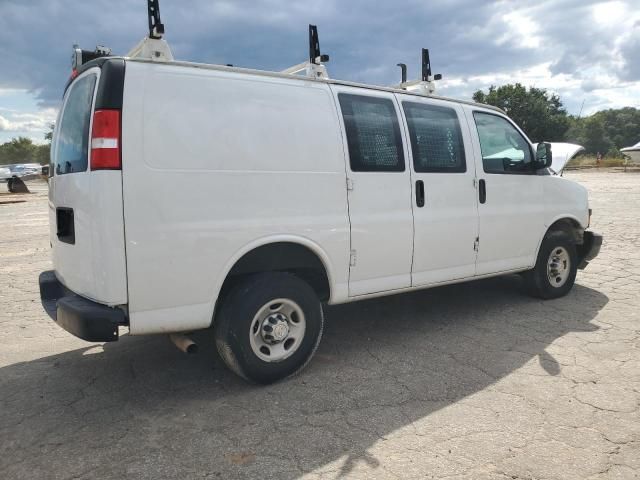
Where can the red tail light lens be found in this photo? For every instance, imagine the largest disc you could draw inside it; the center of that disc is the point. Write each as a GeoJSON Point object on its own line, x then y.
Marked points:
{"type": "Point", "coordinates": [105, 140]}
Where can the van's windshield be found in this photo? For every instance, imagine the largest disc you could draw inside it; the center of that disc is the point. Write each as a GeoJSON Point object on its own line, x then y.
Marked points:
{"type": "Point", "coordinates": [72, 136]}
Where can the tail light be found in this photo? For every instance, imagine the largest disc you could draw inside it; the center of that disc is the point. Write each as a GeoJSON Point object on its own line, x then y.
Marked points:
{"type": "Point", "coordinates": [105, 140]}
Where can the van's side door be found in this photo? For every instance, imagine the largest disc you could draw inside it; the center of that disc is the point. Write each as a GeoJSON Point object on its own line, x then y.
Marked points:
{"type": "Point", "coordinates": [379, 190]}
{"type": "Point", "coordinates": [445, 209]}
{"type": "Point", "coordinates": [511, 203]}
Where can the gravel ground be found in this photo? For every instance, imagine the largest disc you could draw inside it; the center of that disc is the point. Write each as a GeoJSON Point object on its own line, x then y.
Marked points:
{"type": "Point", "coordinates": [472, 381]}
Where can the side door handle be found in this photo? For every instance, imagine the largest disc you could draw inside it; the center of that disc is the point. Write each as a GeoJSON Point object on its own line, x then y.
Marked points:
{"type": "Point", "coordinates": [482, 190]}
{"type": "Point", "coordinates": [420, 193]}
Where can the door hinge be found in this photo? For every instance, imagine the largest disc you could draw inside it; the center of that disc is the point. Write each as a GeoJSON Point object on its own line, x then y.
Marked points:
{"type": "Point", "coordinates": [476, 242]}
{"type": "Point", "coordinates": [475, 183]}
{"type": "Point", "coordinates": [352, 259]}
{"type": "Point", "coordinates": [349, 184]}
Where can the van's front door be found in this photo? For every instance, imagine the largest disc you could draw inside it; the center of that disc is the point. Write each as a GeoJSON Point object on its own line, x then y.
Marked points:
{"type": "Point", "coordinates": [445, 207]}
{"type": "Point", "coordinates": [379, 193]}
{"type": "Point", "coordinates": [511, 203]}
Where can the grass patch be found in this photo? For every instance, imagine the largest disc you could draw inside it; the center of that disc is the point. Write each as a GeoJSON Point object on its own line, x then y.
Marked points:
{"type": "Point", "coordinates": [591, 161]}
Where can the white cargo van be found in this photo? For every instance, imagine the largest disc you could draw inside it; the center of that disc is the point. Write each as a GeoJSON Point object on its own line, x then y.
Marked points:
{"type": "Point", "coordinates": [185, 196]}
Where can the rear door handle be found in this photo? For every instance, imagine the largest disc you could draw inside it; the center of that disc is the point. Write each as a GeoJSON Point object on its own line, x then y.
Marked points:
{"type": "Point", "coordinates": [482, 190]}
{"type": "Point", "coordinates": [420, 193]}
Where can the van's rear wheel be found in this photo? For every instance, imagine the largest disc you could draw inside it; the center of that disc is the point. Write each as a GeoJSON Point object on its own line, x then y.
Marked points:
{"type": "Point", "coordinates": [556, 267]}
{"type": "Point", "coordinates": [269, 326]}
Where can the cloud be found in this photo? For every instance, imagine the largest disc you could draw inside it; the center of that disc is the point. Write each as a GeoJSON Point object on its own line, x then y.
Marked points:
{"type": "Point", "coordinates": [24, 123]}
{"type": "Point", "coordinates": [574, 47]}
{"type": "Point", "coordinates": [14, 123]}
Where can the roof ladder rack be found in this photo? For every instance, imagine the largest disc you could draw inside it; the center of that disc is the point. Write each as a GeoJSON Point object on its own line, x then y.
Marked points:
{"type": "Point", "coordinates": [426, 85]}
{"type": "Point", "coordinates": [80, 57]}
{"type": "Point", "coordinates": [153, 46]}
{"type": "Point", "coordinates": [314, 67]}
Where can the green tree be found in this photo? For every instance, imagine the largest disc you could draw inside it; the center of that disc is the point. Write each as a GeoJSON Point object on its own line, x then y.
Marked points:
{"type": "Point", "coordinates": [49, 135]}
{"type": "Point", "coordinates": [43, 151]}
{"type": "Point", "coordinates": [540, 114]}
{"type": "Point", "coordinates": [18, 150]}
{"type": "Point", "coordinates": [606, 131]}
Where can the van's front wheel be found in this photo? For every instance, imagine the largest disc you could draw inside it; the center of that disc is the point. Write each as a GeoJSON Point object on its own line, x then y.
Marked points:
{"type": "Point", "coordinates": [556, 267]}
{"type": "Point", "coordinates": [269, 326]}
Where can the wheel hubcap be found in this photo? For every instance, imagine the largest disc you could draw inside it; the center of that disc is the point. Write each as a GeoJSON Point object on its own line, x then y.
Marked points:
{"type": "Point", "coordinates": [277, 330]}
{"type": "Point", "coordinates": [558, 267]}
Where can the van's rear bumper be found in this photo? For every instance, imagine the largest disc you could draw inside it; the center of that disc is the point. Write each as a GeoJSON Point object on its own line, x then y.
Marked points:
{"type": "Point", "coordinates": [83, 318]}
{"type": "Point", "coordinates": [589, 249]}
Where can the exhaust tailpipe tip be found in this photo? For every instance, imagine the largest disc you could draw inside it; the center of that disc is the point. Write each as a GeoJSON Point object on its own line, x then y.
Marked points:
{"type": "Point", "coordinates": [184, 343]}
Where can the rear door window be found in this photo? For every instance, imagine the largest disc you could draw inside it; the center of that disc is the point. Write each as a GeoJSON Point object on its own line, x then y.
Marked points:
{"type": "Point", "coordinates": [373, 133]}
{"type": "Point", "coordinates": [72, 136]}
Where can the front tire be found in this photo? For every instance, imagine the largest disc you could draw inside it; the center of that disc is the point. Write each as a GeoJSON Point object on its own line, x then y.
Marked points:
{"type": "Point", "coordinates": [556, 266]}
{"type": "Point", "coordinates": [269, 326]}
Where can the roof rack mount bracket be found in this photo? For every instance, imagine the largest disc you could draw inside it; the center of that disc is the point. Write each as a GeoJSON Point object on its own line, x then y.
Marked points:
{"type": "Point", "coordinates": [156, 49]}
{"type": "Point", "coordinates": [312, 70]}
{"type": "Point", "coordinates": [153, 46]}
{"type": "Point", "coordinates": [314, 67]}
{"type": "Point", "coordinates": [426, 85]}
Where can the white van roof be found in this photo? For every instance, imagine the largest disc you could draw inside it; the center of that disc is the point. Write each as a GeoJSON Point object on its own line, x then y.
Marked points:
{"type": "Point", "coordinates": [267, 73]}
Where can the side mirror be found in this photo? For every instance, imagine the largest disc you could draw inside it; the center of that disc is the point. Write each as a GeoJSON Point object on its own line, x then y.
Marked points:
{"type": "Point", "coordinates": [543, 156]}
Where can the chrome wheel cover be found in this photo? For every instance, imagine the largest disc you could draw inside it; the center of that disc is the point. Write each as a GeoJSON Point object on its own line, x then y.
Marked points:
{"type": "Point", "coordinates": [277, 330]}
{"type": "Point", "coordinates": [558, 267]}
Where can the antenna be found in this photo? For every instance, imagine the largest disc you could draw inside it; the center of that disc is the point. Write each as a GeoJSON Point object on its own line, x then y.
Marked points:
{"type": "Point", "coordinates": [156, 27]}
{"type": "Point", "coordinates": [403, 70]}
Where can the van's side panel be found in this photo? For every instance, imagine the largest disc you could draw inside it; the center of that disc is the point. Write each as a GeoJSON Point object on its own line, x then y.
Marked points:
{"type": "Point", "coordinates": [215, 162]}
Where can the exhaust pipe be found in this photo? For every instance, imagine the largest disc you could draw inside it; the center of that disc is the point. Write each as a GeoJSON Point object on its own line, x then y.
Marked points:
{"type": "Point", "coordinates": [184, 343]}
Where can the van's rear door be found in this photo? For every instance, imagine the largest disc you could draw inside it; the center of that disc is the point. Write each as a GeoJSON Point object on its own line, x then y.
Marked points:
{"type": "Point", "coordinates": [85, 203]}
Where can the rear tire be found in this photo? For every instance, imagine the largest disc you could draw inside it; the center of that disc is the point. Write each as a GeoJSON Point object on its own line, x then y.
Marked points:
{"type": "Point", "coordinates": [556, 266]}
{"type": "Point", "coordinates": [268, 326]}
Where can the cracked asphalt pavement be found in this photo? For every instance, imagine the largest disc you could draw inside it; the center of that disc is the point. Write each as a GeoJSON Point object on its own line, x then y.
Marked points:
{"type": "Point", "coordinates": [471, 381]}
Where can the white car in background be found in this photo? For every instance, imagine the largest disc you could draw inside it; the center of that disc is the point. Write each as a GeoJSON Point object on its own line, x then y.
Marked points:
{"type": "Point", "coordinates": [5, 174]}
{"type": "Point", "coordinates": [24, 171]}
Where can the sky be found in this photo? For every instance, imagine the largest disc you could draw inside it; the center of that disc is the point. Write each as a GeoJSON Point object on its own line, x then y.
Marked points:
{"type": "Point", "coordinates": [586, 52]}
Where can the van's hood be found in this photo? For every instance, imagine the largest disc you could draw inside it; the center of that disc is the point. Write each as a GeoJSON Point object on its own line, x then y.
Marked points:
{"type": "Point", "coordinates": [561, 153]}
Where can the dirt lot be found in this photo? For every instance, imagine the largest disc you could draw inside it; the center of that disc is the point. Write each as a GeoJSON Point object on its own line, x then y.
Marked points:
{"type": "Point", "coordinates": [472, 381]}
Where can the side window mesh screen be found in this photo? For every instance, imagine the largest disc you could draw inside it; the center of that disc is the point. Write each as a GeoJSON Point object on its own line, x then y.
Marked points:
{"type": "Point", "coordinates": [373, 134]}
{"type": "Point", "coordinates": [436, 139]}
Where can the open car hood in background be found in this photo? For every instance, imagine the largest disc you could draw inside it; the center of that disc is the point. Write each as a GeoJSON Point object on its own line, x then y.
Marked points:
{"type": "Point", "coordinates": [632, 153]}
{"type": "Point", "coordinates": [561, 153]}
